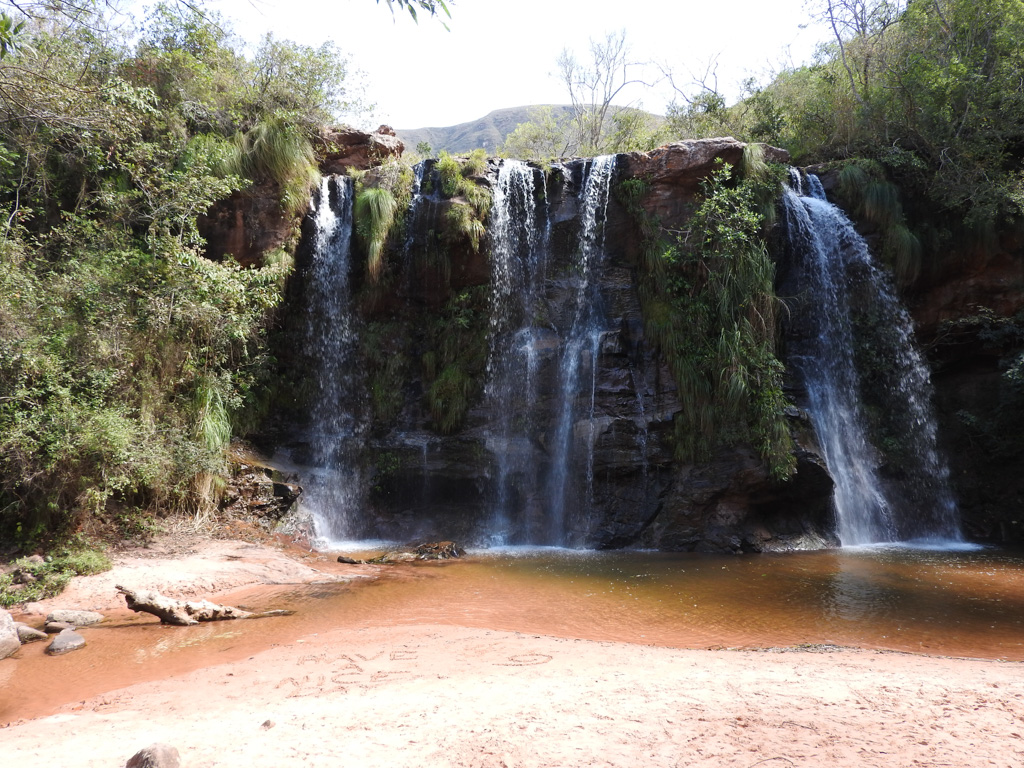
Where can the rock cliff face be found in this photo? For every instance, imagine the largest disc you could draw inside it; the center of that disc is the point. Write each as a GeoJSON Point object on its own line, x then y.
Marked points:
{"type": "Point", "coordinates": [479, 483]}
{"type": "Point", "coordinates": [251, 222]}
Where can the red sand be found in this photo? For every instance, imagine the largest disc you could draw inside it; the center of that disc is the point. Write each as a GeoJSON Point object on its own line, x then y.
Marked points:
{"type": "Point", "coordinates": [450, 696]}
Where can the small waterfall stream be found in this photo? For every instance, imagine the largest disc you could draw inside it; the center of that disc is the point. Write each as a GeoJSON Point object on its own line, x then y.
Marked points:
{"type": "Point", "coordinates": [333, 490]}
{"type": "Point", "coordinates": [546, 331]}
{"type": "Point", "coordinates": [841, 287]}
{"type": "Point", "coordinates": [518, 260]}
{"type": "Point", "coordinates": [580, 347]}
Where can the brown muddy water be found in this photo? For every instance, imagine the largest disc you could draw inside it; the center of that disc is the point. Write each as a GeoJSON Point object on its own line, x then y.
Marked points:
{"type": "Point", "coordinates": [966, 603]}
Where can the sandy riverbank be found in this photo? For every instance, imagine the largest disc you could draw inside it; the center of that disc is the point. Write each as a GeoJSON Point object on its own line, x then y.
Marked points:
{"type": "Point", "coordinates": [450, 696]}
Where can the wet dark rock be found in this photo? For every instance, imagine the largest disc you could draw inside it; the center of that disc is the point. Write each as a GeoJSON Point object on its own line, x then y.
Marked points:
{"type": "Point", "coordinates": [67, 641]}
{"type": "Point", "coordinates": [75, 617]}
{"type": "Point", "coordinates": [348, 560]}
{"type": "Point", "coordinates": [425, 485]}
{"type": "Point", "coordinates": [155, 756]}
{"type": "Point", "coordinates": [259, 493]}
{"type": "Point", "coordinates": [441, 550]}
{"type": "Point", "coordinates": [246, 225]}
{"type": "Point", "coordinates": [675, 171]}
{"type": "Point", "coordinates": [56, 627]}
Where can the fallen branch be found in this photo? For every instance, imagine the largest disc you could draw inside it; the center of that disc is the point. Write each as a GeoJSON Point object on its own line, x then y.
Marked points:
{"type": "Point", "coordinates": [171, 611]}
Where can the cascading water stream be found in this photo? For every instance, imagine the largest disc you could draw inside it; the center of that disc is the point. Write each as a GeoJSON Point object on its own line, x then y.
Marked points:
{"type": "Point", "coordinates": [580, 345]}
{"type": "Point", "coordinates": [835, 261]}
{"type": "Point", "coordinates": [518, 251]}
{"type": "Point", "coordinates": [333, 489]}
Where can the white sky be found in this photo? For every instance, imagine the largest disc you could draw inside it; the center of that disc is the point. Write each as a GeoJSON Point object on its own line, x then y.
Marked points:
{"type": "Point", "coordinates": [502, 54]}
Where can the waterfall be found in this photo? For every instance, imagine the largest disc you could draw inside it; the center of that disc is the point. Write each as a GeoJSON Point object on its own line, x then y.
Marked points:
{"type": "Point", "coordinates": [848, 301]}
{"type": "Point", "coordinates": [580, 347]}
{"type": "Point", "coordinates": [333, 489]}
{"type": "Point", "coordinates": [518, 253]}
{"type": "Point", "coordinates": [546, 331]}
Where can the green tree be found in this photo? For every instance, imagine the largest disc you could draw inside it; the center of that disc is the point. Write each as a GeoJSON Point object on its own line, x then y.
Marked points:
{"type": "Point", "coordinates": [127, 360]}
{"type": "Point", "coordinates": [544, 137]}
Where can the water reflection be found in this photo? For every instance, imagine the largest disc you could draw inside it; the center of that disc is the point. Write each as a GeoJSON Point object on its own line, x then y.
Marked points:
{"type": "Point", "coordinates": [962, 603]}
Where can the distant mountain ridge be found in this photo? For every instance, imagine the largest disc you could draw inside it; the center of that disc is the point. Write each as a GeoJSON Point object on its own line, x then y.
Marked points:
{"type": "Point", "coordinates": [488, 132]}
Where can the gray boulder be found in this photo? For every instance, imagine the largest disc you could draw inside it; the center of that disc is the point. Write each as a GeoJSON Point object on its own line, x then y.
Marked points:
{"type": "Point", "coordinates": [155, 756]}
{"type": "Point", "coordinates": [68, 640]}
{"type": "Point", "coordinates": [9, 642]}
{"type": "Point", "coordinates": [28, 634]}
{"type": "Point", "coordinates": [56, 627]}
{"type": "Point", "coordinates": [78, 618]}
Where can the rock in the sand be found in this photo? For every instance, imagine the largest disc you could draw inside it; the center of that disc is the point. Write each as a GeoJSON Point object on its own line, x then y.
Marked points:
{"type": "Point", "coordinates": [56, 627]}
{"type": "Point", "coordinates": [9, 642]}
{"type": "Point", "coordinates": [78, 618]}
{"type": "Point", "coordinates": [28, 634]}
{"type": "Point", "coordinates": [439, 550]}
{"type": "Point", "coordinates": [348, 560]}
{"type": "Point", "coordinates": [68, 640]}
{"type": "Point", "coordinates": [155, 756]}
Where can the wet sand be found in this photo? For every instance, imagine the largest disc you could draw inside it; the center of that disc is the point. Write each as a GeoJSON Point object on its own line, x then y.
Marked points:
{"type": "Point", "coordinates": [431, 695]}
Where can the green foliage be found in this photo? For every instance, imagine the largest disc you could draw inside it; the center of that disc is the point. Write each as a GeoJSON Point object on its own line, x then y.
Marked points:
{"type": "Point", "coordinates": [274, 150]}
{"type": "Point", "coordinates": [449, 171]}
{"type": "Point", "coordinates": [708, 302]}
{"type": "Point", "coordinates": [73, 558]}
{"type": "Point", "coordinates": [703, 116]}
{"type": "Point", "coordinates": [465, 219]}
{"type": "Point", "coordinates": [375, 213]}
{"type": "Point", "coordinates": [875, 201]}
{"type": "Point", "coordinates": [457, 353]}
{"type": "Point", "coordinates": [541, 139]}
{"type": "Point", "coordinates": [430, 6]}
{"type": "Point", "coordinates": [11, 38]}
{"type": "Point", "coordinates": [382, 194]}
{"type": "Point", "coordinates": [126, 358]}
{"type": "Point", "coordinates": [448, 397]}
{"type": "Point", "coordinates": [929, 91]}
{"type": "Point", "coordinates": [461, 222]}
{"type": "Point", "coordinates": [383, 347]}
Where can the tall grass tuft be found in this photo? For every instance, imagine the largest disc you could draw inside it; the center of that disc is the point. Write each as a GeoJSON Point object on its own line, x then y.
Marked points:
{"type": "Point", "coordinates": [753, 166]}
{"type": "Point", "coordinates": [375, 213]}
{"type": "Point", "coordinates": [875, 201]}
{"type": "Point", "coordinates": [448, 397]}
{"type": "Point", "coordinates": [277, 151]}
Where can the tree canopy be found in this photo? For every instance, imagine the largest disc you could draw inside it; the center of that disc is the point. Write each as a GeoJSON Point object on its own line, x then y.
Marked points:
{"type": "Point", "coordinates": [127, 359]}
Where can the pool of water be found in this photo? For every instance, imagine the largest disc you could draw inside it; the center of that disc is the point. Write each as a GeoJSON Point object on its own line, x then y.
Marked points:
{"type": "Point", "coordinates": [956, 603]}
{"type": "Point", "coordinates": [959, 603]}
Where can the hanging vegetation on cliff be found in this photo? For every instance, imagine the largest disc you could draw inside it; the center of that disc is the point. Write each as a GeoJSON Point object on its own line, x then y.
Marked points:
{"type": "Point", "coordinates": [710, 307]}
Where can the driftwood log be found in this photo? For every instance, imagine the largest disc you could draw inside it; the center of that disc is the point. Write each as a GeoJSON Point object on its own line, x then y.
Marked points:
{"type": "Point", "coordinates": [181, 613]}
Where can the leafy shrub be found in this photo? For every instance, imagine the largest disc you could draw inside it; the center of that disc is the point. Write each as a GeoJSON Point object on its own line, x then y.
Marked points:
{"type": "Point", "coordinates": [52, 576]}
